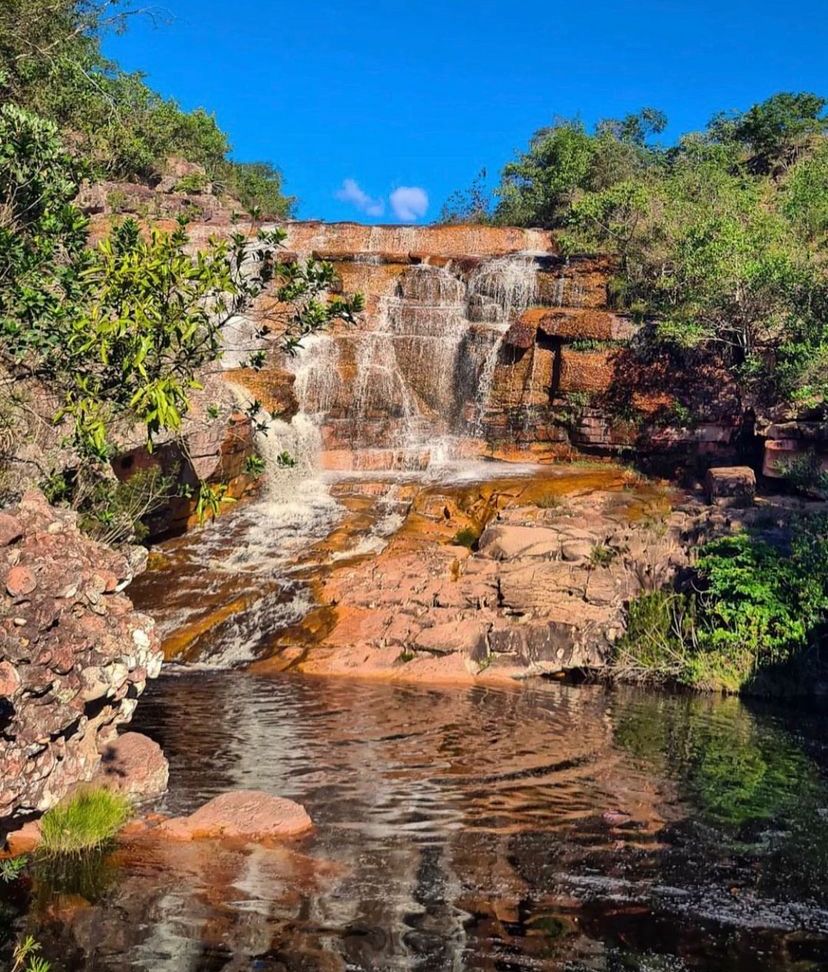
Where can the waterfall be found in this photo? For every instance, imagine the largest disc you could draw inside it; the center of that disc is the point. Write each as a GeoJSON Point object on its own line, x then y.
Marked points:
{"type": "Point", "coordinates": [416, 383]}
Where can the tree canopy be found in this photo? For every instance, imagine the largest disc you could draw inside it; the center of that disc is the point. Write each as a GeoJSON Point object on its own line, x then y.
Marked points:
{"type": "Point", "coordinates": [51, 64]}
{"type": "Point", "coordinates": [720, 238]}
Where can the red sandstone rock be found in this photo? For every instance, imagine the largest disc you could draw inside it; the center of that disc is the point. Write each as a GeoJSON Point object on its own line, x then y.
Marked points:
{"type": "Point", "coordinates": [133, 765]}
{"type": "Point", "coordinates": [20, 581]}
{"type": "Point", "coordinates": [247, 814]}
{"type": "Point", "coordinates": [11, 529]}
{"type": "Point", "coordinates": [9, 679]}
{"type": "Point", "coordinates": [24, 840]}
{"type": "Point", "coordinates": [66, 640]}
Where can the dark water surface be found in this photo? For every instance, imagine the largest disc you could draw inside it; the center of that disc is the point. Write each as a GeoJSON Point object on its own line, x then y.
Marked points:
{"type": "Point", "coordinates": [540, 827]}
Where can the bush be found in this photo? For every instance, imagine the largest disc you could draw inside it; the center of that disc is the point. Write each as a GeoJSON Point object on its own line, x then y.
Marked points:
{"type": "Point", "coordinates": [752, 606]}
{"type": "Point", "coordinates": [806, 475]}
{"type": "Point", "coordinates": [83, 822]}
{"type": "Point", "coordinates": [467, 537]}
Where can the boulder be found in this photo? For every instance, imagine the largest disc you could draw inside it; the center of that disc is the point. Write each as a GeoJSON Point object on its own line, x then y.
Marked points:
{"type": "Point", "coordinates": [133, 765]}
{"type": "Point", "coordinates": [242, 814]}
{"type": "Point", "coordinates": [467, 637]}
{"type": "Point", "coordinates": [74, 655]}
{"type": "Point", "coordinates": [730, 485]}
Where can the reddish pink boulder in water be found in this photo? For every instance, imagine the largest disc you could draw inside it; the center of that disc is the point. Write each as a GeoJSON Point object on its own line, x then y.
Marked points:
{"type": "Point", "coordinates": [249, 814]}
{"type": "Point", "coordinates": [133, 765]}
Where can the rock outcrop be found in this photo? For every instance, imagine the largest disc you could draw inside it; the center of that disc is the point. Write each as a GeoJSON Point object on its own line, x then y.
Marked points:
{"type": "Point", "coordinates": [555, 561]}
{"type": "Point", "coordinates": [74, 655]}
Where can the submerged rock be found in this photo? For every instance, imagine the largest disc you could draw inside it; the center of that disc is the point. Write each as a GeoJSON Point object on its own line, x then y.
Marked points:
{"type": "Point", "coordinates": [245, 814]}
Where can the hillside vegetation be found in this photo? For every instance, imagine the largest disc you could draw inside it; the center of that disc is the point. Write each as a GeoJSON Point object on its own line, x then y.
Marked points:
{"type": "Point", "coordinates": [721, 239]}
{"type": "Point", "coordinates": [100, 341]}
{"type": "Point", "coordinates": [51, 64]}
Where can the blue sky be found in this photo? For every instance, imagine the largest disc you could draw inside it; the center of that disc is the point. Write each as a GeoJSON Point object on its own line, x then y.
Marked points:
{"type": "Point", "coordinates": [378, 110]}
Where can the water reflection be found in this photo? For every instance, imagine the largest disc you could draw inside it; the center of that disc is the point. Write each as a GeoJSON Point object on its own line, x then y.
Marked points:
{"type": "Point", "coordinates": [475, 828]}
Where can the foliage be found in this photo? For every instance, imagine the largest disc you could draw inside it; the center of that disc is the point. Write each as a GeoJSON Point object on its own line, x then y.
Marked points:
{"type": "Point", "coordinates": [257, 186]}
{"type": "Point", "coordinates": [472, 205]}
{"type": "Point", "coordinates": [467, 537]}
{"type": "Point", "coordinates": [805, 474]}
{"type": "Point", "coordinates": [720, 239]}
{"type": "Point", "coordinates": [83, 822]}
{"type": "Point", "coordinates": [209, 500]}
{"type": "Point", "coordinates": [121, 332]}
{"type": "Point", "coordinates": [777, 131]}
{"type": "Point", "coordinates": [12, 867]}
{"type": "Point", "coordinates": [602, 556]}
{"type": "Point", "coordinates": [254, 465]}
{"type": "Point", "coordinates": [26, 959]}
{"type": "Point", "coordinates": [753, 605]}
{"type": "Point", "coordinates": [113, 511]}
{"type": "Point", "coordinates": [51, 63]}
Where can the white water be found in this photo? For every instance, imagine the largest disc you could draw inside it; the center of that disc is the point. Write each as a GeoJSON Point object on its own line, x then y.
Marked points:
{"type": "Point", "coordinates": [419, 366]}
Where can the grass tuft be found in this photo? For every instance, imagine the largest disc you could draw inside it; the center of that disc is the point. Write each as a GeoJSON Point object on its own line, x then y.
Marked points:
{"type": "Point", "coordinates": [84, 822]}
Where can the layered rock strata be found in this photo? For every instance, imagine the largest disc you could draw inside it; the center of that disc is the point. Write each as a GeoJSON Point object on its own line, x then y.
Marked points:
{"type": "Point", "coordinates": [555, 561]}
{"type": "Point", "coordinates": [74, 655]}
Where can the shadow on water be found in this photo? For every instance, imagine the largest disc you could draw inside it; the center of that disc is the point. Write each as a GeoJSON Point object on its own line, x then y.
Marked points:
{"type": "Point", "coordinates": [541, 827]}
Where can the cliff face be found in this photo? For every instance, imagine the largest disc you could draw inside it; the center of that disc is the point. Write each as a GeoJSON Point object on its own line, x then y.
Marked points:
{"type": "Point", "coordinates": [74, 655]}
{"type": "Point", "coordinates": [483, 340]}
{"type": "Point", "coordinates": [486, 340]}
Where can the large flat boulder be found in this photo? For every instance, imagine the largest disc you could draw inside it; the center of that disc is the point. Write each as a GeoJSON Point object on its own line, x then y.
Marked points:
{"type": "Point", "coordinates": [241, 814]}
{"type": "Point", "coordinates": [730, 484]}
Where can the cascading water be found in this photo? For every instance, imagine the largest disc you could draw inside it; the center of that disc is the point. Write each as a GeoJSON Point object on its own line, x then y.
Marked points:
{"type": "Point", "coordinates": [417, 388]}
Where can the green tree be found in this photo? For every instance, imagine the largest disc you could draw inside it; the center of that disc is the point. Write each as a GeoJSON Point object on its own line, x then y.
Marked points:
{"type": "Point", "coordinates": [777, 131]}
{"type": "Point", "coordinates": [121, 332]}
{"type": "Point", "coordinates": [51, 63]}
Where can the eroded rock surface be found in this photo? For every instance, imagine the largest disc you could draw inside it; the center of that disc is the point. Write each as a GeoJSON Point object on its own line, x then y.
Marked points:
{"type": "Point", "coordinates": [74, 655]}
{"type": "Point", "coordinates": [543, 591]}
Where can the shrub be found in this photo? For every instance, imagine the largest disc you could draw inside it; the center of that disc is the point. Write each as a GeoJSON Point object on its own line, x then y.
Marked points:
{"type": "Point", "coordinates": [11, 868]}
{"type": "Point", "coordinates": [752, 605]}
{"type": "Point", "coordinates": [805, 474]}
{"type": "Point", "coordinates": [602, 555]}
{"type": "Point", "coordinates": [83, 822]}
{"type": "Point", "coordinates": [467, 537]}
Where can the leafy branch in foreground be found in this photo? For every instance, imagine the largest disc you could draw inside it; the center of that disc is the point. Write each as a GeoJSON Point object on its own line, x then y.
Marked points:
{"type": "Point", "coordinates": [121, 332]}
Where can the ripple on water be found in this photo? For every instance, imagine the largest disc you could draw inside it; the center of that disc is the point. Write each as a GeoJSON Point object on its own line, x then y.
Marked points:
{"type": "Point", "coordinates": [467, 828]}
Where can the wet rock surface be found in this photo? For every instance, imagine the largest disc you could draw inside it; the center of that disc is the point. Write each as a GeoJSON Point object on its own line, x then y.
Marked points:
{"type": "Point", "coordinates": [74, 654]}
{"type": "Point", "coordinates": [240, 814]}
{"type": "Point", "coordinates": [553, 564]}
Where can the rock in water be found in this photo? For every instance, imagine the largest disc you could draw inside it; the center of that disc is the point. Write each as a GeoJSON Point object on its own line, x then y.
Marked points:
{"type": "Point", "coordinates": [74, 655]}
{"type": "Point", "coordinates": [246, 814]}
{"type": "Point", "coordinates": [133, 765]}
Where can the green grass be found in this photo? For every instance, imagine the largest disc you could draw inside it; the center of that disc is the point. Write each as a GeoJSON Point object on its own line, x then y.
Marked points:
{"type": "Point", "coordinates": [85, 821]}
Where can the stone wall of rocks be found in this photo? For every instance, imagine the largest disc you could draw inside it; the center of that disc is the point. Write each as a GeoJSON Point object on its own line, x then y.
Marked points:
{"type": "Point", "coordinates": [74, 654]}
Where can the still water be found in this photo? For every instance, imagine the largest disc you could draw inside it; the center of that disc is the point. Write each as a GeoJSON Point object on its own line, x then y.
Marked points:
{"type": "Point", "coordinates": [535, 827]}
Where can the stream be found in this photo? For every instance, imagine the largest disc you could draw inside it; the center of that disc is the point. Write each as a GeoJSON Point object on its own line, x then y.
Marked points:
{"type": "Point", "coordinates": [543, 826]}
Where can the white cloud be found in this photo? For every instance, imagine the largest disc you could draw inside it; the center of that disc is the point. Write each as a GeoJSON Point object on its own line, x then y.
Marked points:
{"type": "Point", "coordinates": [409, 203]}
{"type": "Point", "coordinates": [351, 192]}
